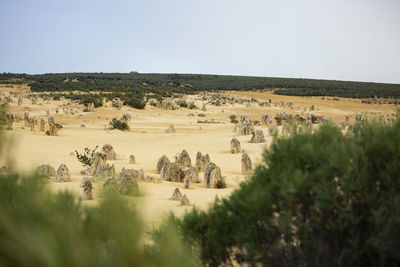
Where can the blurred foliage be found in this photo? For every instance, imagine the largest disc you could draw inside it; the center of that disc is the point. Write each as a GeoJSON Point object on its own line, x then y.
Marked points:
{"type": "Point", "coordinates": [38, 228]}
{"type": "Point", "coordinates": [322, 199]}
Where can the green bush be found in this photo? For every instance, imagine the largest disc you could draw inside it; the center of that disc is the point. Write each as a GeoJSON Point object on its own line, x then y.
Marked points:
{"type": "Point", "coordinates": [233, 118]}
{"type": "Point", "coordinates": [86, 158]}
{"type": "Point", "coordinates": [118, 124]}
{"type": "Point", "coordinates": [38, 228]}
{"type": "Point", "coordinates": [323, 199]}
{"type": "Point", "coordinates": [182, 103]}
{"type": "Point", "coordinates": [135, 103]}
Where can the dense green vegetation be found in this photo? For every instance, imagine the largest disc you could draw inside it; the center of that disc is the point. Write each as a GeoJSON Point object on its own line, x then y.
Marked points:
{"type": "Point", "coordinates": [136, 85]}
{"type": "Point", "coordinates": [38, 228]}
{"type": "Point", "coordinates": [323, 199]}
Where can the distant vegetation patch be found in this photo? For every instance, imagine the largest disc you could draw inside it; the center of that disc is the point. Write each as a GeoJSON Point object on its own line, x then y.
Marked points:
{"type": "Point", "coordinates": [132, 87]}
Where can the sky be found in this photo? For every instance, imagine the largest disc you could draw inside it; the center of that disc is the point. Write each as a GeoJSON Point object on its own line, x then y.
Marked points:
{"type": "Point", "coordinates": [356, 40]}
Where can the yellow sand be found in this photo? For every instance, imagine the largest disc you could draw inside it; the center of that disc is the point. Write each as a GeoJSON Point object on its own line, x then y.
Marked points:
{"type": "Point", "coordinates": [147, 141]}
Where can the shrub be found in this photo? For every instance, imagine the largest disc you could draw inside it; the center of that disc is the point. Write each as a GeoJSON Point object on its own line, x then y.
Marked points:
{"type": "Point", "coordinates": [135, 103]}
{"type": "Point", "coordinates": [118, 124]}
{"type": "Point", "coordinates": [182, 103]}
{"type": "Point", "coordinates": [323, 199]}
{"type": "Point", "coordinates": [86, 158]}
{"type": "Point", "coordinates": [233, 118]}
{"type": "Point", "coordinates": [220, 184]}
{"type": "Point", "coordinates": [38, 228]}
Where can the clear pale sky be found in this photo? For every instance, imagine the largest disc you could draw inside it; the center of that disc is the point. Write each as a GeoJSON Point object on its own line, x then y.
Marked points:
{"type": "Point", "coordinates": [338, 39]}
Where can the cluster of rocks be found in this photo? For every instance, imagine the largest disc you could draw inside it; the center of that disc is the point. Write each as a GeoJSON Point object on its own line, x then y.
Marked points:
{"type": "Point", "coordinates": [89, 108]}
{"type": "Point", "coordinates": [48, 172]}
{"type": "Point", "coordinates": [177, 196]}
{"type": "Point", "coordinates": [381, 101]}
{"type": "Point", "coordinates": [202, 161]}
{"type": "Point", "coordinates": [167, 104]}
{"type": "Point", "coordinates": [182, 170]}
{"type": "Point", "coordinates": [246, 126]}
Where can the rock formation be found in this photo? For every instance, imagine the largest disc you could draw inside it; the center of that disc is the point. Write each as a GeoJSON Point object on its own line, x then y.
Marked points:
{"type": "Point", "coordinates": [347, 119]}
{"type": "Point", "coordinates": [153, 179]}
{"type": "Point", "coordinates": [126, 117]}
{"type": "Point", "coordinates": [286, 129]}
{"type": "Point", "coordinates": [128, 185]}
{"type": "Point", "coordinates": [32, 124]}
{"type": "Point", "coordinates": [265, 119]}
{"type": "Point", "coordinates": [19, 100]}
{"type": "Point", "coordinates": [309, 126]}
{"type": "Point", "coordinates": [184, 160]}
{"type": "Point", "coordinates": [62, 174]}
{"type": "Point", "coordinates": [87, 190]}
{"type": "Point", "coordinates": [9, 120]}
{"type": "Point", "coordinates": [172, 172]}
{"type": "Point", "coordinates": [52, 126]}
{"type": "Point", "coordinates": [46, 170]}
{"type": "Point", "coordinates": [258, 137]}
{"type": "Point", "coordinates": [235, 146]}
{"type": "Point", "coordinates": [192, 174]}
{"type": "Point", "coordinates": [162, 162]}
{"type": "Point", "coordinates": [176, 195]}
{"type": "Point", "coordinates": [282, 117]}
{"type": "Point", "coordinates": [245, 127]}
{"type": "Point", "coordinates": [170, 129]}
{"type": "Point", "coordinates": [117, 103]}
{"type": "Point", "coordinates": [213, 177]}
{"type": "Point", "coordinates": [111, 184]}
{"type": "Point", "coordinates": [90, 107]}
{"type": "Point", "coordinates": [99, 156]}
{"type": "Point", "coordinates": [186, 182]}
{"type": "Point", "coordinates": [137, 175]}
{"type": "Point", "coordinates": [166, 104]}
{"type": "Point", "coordinates": [246, 163]}
{"type": "Point", "coordinates": [184, 201]}
{"type": "Point", "coordinates": [110, 153]}
{"type": "Point", "coordinates": [132, 159]}
{"type": "Point", "coordinates": [358, 117]}
{"type": "Point", "coordinates": [202, 161]}
{"type": "Point", "coordinates": [42, 125]}
{"type": "Point", "coordinates": [26, 118]}
{"type": "Point", "coordinates": [272, 130]}
{"type": "Point", "coordinates": [104, 171]}
{"type": "Point", "coordinates": [342, 125]}
{"type": "Point", "coordinates": [99, 168]}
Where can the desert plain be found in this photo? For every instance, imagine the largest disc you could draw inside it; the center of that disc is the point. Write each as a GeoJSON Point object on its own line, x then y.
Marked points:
{"type": "Point", "coordinates": [148, 140]}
